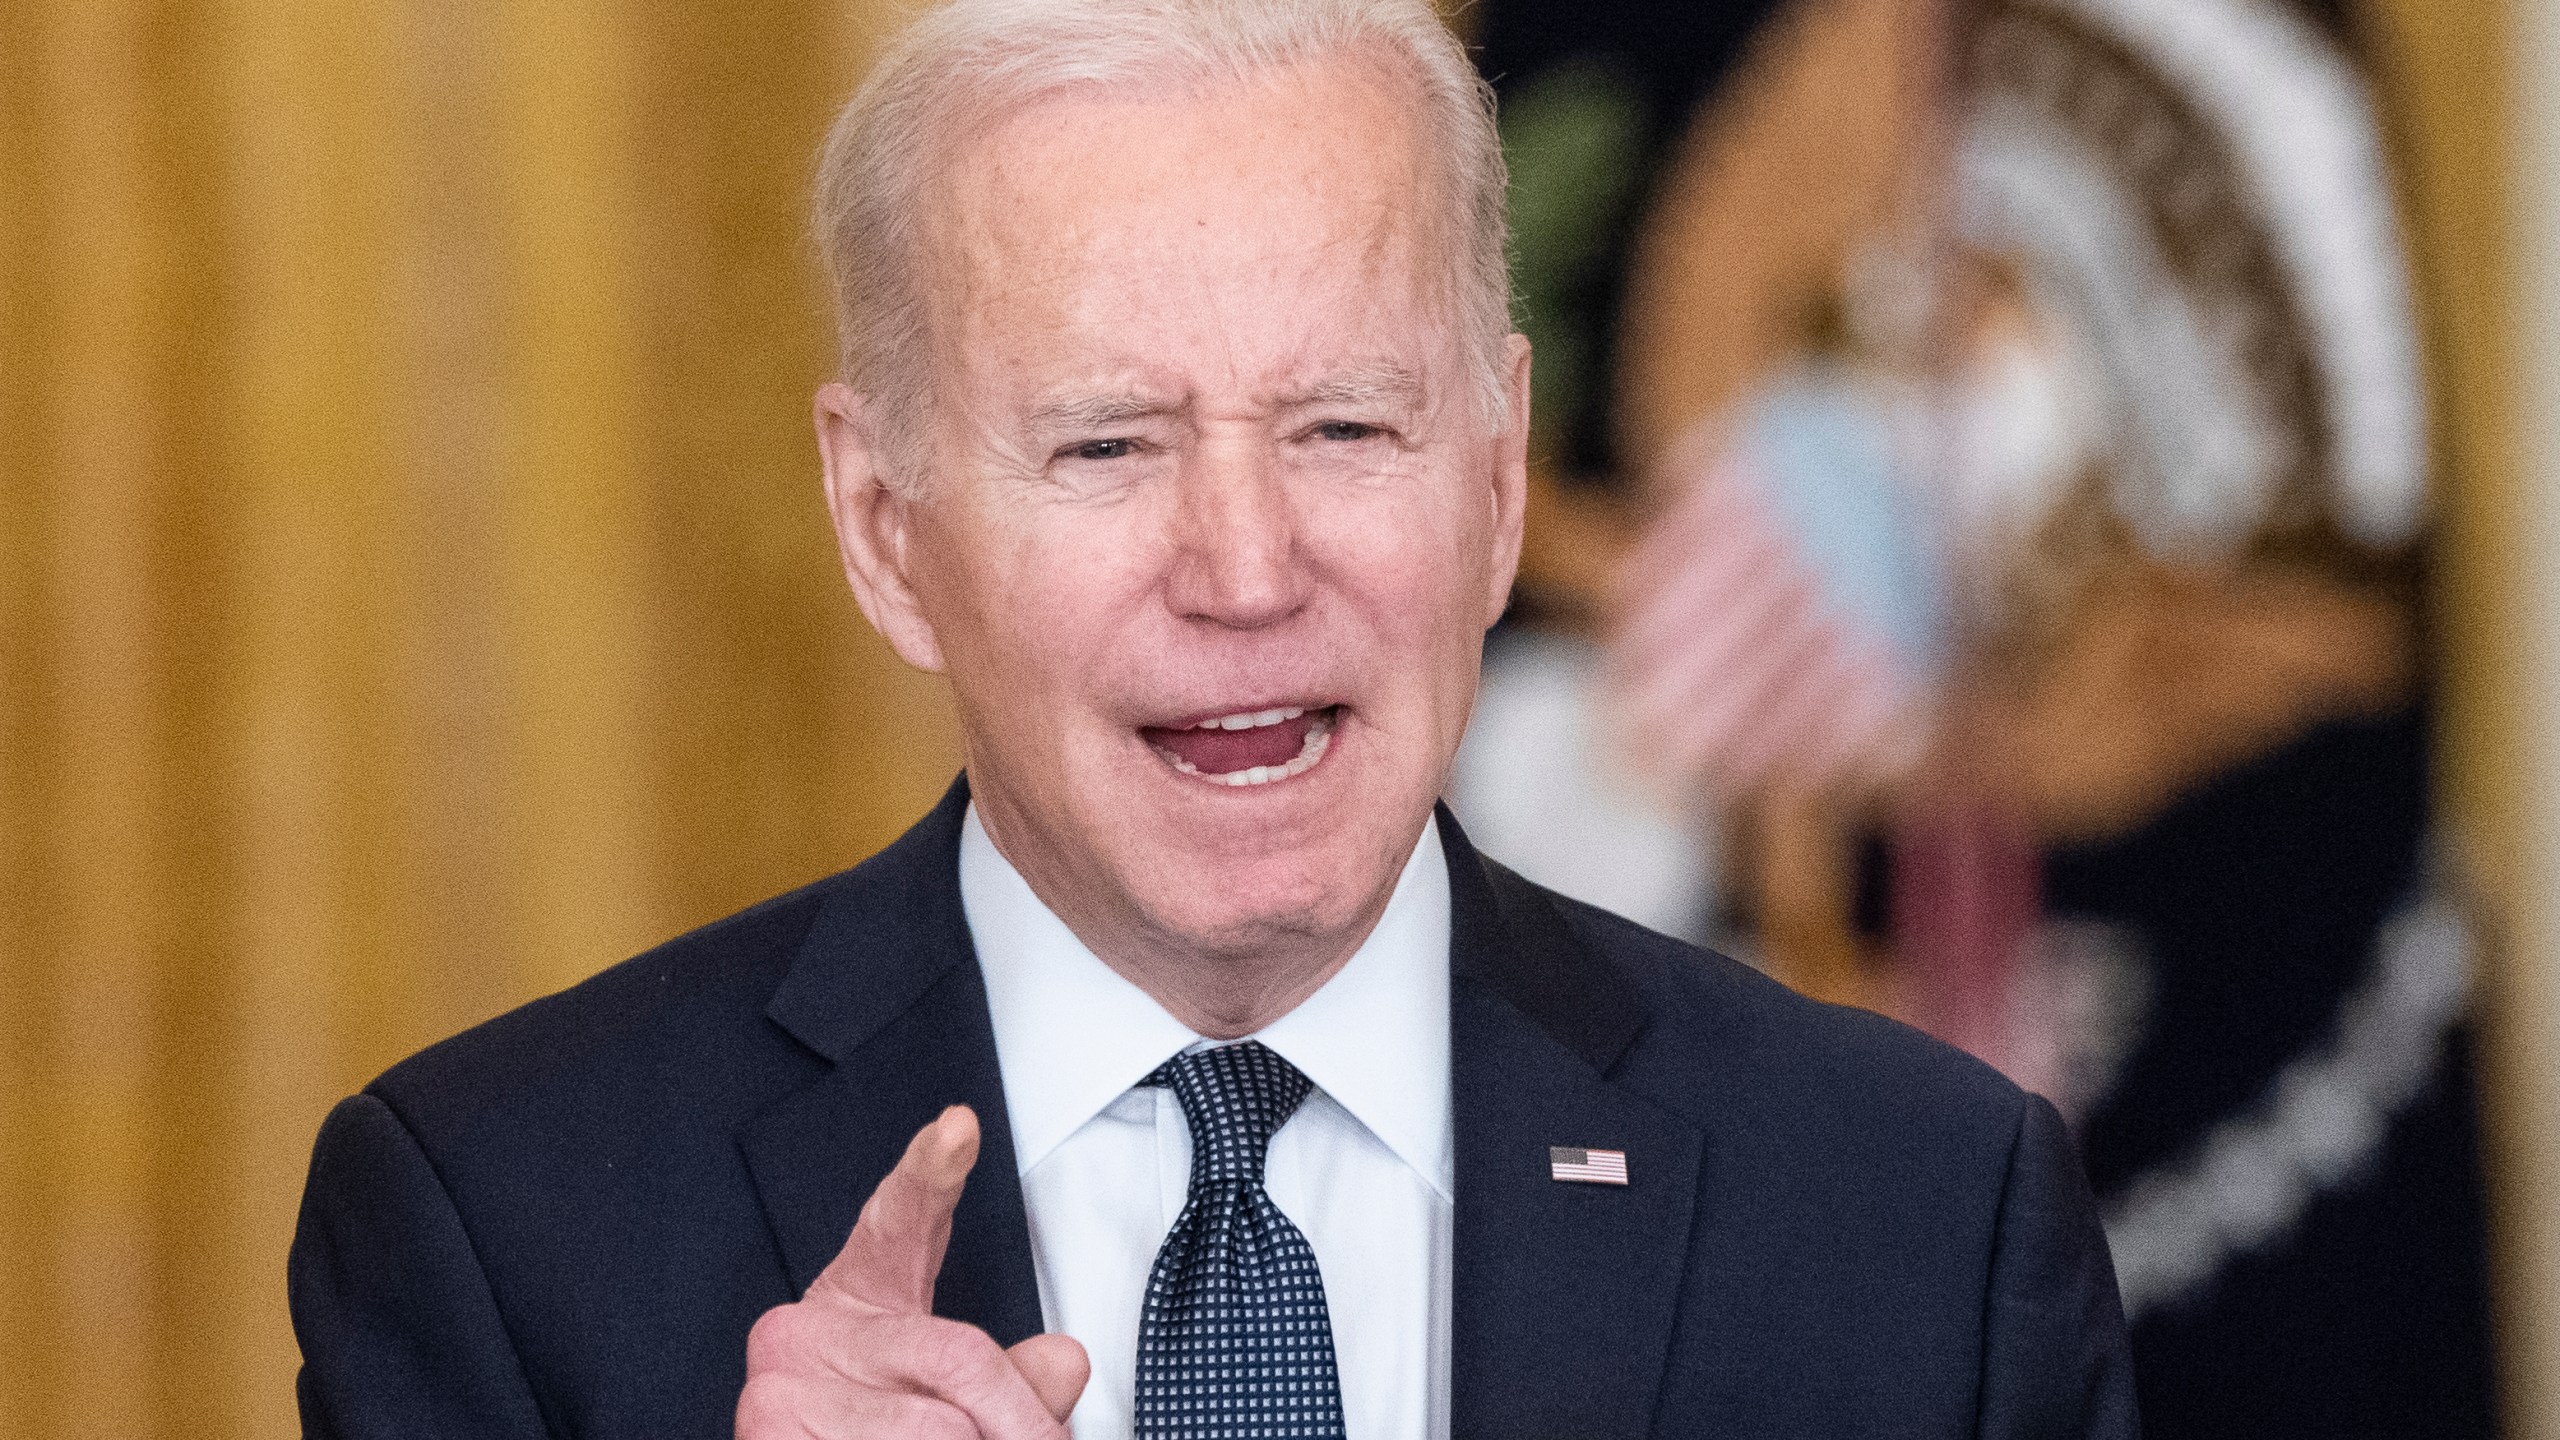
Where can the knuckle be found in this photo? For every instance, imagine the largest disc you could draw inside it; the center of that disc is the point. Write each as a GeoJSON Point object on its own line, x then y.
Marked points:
{"type": "Point", "coordinates": [776, 1339]}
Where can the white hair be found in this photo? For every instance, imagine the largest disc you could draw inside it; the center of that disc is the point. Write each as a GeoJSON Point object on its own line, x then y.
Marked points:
{"type": "Point", "coordinates": [968, 63]}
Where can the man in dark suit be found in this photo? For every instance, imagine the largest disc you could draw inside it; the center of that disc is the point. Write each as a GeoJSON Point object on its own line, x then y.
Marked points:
{"type": "Point", "coordinates": [1184, 1073]}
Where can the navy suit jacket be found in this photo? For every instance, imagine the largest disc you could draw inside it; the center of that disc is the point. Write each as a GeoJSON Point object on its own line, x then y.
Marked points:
{"type": "Point", "coordinates": [563, 1222]}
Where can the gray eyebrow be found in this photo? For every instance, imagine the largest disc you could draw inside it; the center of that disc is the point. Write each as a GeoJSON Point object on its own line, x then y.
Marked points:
{"type": "Point", "coordinates": [1096, 412]}
{"type": "Point", "coordinates": [1359, 386]}
{"type": "Point", "coordinates": [1365, 385]}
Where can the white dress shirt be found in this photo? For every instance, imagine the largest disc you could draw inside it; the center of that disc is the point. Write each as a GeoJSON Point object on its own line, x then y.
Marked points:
{"type": "Point", "coordinates": [1364, 1168]}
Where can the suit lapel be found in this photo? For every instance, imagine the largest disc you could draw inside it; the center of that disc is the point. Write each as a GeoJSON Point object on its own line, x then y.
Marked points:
{"type": "Point", "coordinates": [887, 987]}
{"type": "Point", "coordinates": [1565, 1294]}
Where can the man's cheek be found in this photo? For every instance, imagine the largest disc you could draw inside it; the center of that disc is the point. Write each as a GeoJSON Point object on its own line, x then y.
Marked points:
{"type": "Point", "coordinates": [1419, 569]}
{"type": "Point", "coordinates": [1390, 544]}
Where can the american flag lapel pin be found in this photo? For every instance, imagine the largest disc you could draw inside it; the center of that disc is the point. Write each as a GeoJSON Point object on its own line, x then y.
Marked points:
{"type": "Point", "coordinates": [1587, 1167]}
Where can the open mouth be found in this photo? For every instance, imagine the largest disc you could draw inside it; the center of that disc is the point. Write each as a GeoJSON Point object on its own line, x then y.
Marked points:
{"type": "Point", "coordinates": [1252, 748]}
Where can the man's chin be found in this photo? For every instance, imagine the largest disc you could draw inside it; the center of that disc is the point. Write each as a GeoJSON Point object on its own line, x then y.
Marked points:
{"type": "Point", "coordinates": [1241, 895]}
{"type": "Point", "coordinates": [1243, 928]}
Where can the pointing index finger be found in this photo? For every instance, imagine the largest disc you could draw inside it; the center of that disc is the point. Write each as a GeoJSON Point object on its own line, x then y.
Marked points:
{"type": "Point", "coordinates": [891, 1260]}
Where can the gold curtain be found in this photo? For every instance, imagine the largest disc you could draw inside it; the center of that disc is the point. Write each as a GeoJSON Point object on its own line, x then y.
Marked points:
{"type": "Point", "coordinates": [2447, 84]}
{"type": "Point", "coordinates": [414, 595]}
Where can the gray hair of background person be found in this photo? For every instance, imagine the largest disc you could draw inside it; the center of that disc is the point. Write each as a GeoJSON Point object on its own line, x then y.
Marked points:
{"type": "Point", "coordinates": [969, 64]}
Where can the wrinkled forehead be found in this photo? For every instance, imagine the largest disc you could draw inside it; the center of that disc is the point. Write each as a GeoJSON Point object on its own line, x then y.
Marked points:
{"type": "Point", "coordinates": [1246, 223]}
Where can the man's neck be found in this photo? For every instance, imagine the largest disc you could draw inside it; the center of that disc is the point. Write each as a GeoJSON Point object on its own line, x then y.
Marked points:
{"type": "Point", "coordinates": [1227, 999]}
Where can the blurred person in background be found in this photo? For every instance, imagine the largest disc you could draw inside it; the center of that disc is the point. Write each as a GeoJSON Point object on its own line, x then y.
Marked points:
{"type": "Point", "coordinates": [1186, 1071]}
{"type": "Point", "coordinates": [1977, 554]}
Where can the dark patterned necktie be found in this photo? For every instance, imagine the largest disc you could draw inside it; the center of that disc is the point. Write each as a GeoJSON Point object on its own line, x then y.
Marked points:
{"type": "Point", "coordinates": [1235, 1340]}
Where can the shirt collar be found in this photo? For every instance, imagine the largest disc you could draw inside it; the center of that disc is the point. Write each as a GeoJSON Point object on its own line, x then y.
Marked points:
{"type": "Point", "coordinates": [1072, 1034]}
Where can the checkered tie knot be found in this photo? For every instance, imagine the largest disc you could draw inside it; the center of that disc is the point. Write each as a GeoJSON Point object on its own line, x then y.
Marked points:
{"type": "Point", "coordinates": [1235, 1340]}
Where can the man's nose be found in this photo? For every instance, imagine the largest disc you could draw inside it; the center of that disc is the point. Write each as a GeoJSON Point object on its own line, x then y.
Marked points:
{"type": "Point", "coordinates": [1237, 559]}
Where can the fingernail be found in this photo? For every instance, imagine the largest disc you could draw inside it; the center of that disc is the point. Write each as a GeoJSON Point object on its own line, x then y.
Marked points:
{"type": "Point", "coordinates": [951, 1132]}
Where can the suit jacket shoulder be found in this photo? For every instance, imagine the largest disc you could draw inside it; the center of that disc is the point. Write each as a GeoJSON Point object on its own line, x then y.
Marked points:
{"type": "Point", "coordinates": [1724, 1041]}
{"type": "Point", "coordinates": [1875, 1233]}
{"type": "Point", "coordinates": [591, 1198]}
{"type": "Point", "coordinates": [705, 991]}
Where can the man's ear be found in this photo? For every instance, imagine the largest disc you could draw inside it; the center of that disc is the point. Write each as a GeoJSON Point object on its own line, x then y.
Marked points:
{"type": "Point", "coordinates": [1510, 481]}
{"type": "Point", "coordinates": [873, 526]}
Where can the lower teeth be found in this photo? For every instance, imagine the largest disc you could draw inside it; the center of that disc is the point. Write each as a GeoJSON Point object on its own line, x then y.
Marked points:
{"type": "Point", "coordinates": [1319, 739]}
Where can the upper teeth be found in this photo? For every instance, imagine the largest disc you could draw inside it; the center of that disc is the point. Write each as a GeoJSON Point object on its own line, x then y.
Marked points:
{"type": "Point", "coordinates": [1253, 721]}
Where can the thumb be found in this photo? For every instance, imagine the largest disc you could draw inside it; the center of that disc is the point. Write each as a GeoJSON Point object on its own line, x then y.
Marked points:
{"type": "Point", "coordinates": [1057, 1368]}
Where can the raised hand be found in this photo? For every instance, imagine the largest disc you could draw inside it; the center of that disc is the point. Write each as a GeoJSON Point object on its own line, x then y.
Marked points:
{"type": "Point", "coordinates": [862, 1355]}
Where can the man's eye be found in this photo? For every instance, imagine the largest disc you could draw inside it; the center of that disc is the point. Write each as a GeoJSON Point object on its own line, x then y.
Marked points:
{"type": "Point", "coordinates": [1103, 450]}
{"type": "Point", "coordinates": [1344, 430]}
